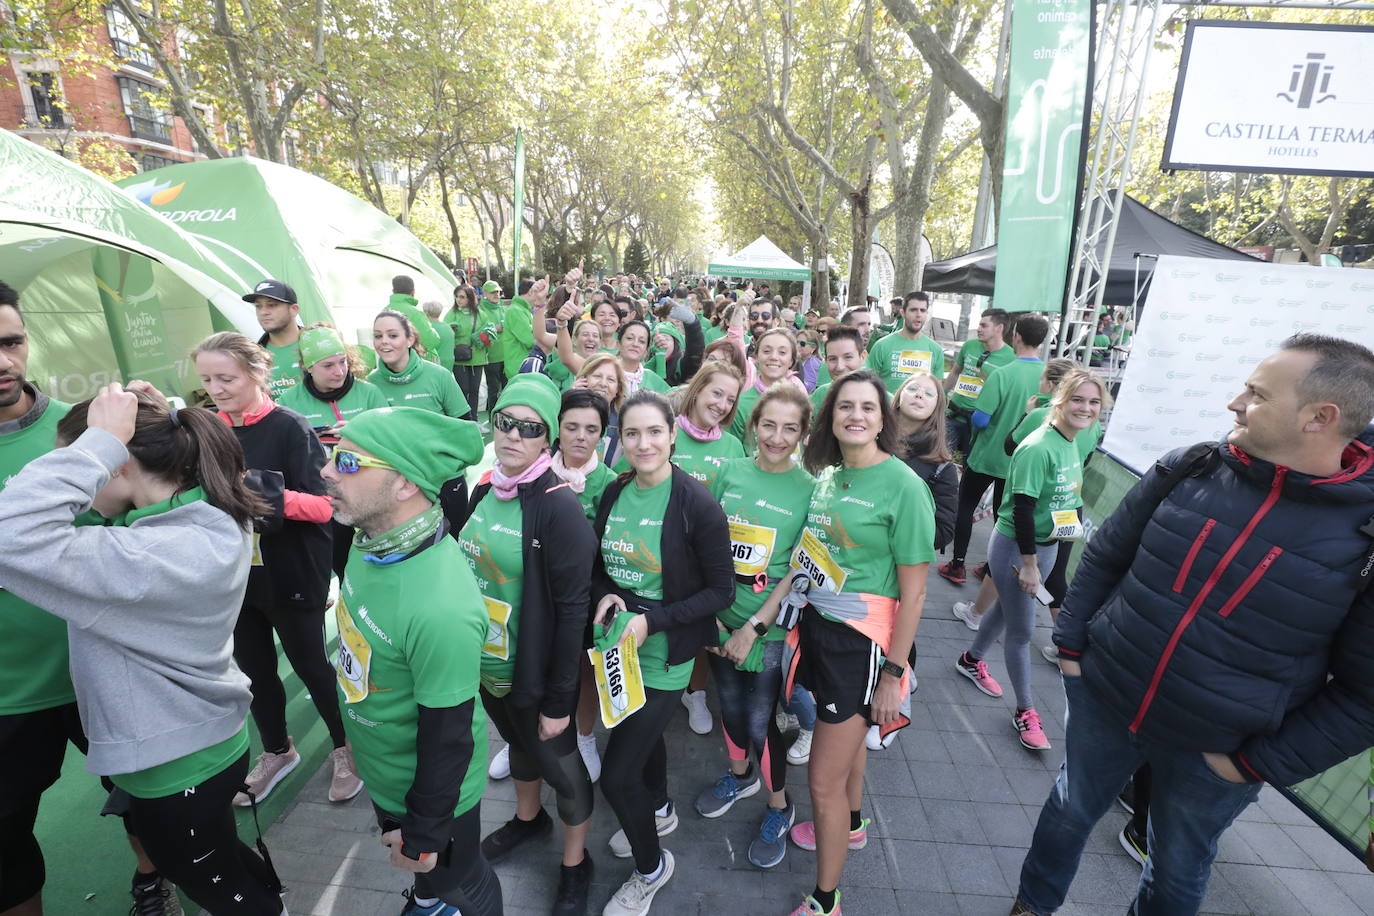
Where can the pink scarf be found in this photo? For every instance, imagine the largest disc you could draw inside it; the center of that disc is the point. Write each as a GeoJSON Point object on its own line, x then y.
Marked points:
{"type": "Point", "coordinates": [696, 432]}
{"type": "Point", "coordinates": [505, 487]}
{"type": "Point", "coordinates": [791, 377]}
{"type": "Point", "coordinates": [575, 478]}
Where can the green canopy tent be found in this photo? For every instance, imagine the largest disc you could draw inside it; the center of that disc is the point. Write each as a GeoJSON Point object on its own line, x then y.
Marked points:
{"type": "Point", "coordinates": [268, 220]}
{"type": "Point", "coordinates": [110, 291]}
{"type": "Point", "coordinates": [759, 260]}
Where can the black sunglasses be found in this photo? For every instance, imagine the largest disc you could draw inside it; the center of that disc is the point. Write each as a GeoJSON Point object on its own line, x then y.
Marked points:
{"type": "Point", "coordinates": [763, 315]}
{"type": "Point", "coordinates": [528, 429]}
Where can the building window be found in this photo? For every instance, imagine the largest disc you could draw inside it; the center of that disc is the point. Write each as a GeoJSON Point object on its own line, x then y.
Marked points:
{"type": "Point", "coordinates": [147, 161]}
{"type": "Point", "coordinates": [43, 91]}
{"type": "Point", "coordinates": [145, 121]}
{"type": "Point", "coordinates": [124, 37]}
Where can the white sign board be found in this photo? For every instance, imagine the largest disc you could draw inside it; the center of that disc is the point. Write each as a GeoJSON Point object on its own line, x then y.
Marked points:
{"type": "Point", "coordinates": [1205, 326]}
{"type": "Point", "coordinates": [1274, 97]}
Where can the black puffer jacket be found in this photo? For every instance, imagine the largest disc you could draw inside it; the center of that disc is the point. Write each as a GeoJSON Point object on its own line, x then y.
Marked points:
{"type": "Point", "coordinates": [1228, 619]}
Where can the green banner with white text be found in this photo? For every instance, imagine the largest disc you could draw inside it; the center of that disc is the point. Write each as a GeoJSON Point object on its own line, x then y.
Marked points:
{"type": "Point", "coordinates": [1047, 90]}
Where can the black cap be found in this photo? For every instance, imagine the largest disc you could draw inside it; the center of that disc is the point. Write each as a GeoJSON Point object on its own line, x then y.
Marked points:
{"type": "Point", "coordinates": [274, 288]}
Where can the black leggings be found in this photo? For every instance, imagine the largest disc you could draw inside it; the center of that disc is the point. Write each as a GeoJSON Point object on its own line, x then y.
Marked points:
{"type": "Point", "coordinates": [302, 639]}
{"type": "Point", "coordinates": [972, 486]}
{"type": "Point", "coordinates": [496, 380]}
{"type": "Point", "coordinates": [469, 380]}
{"type": "Point", "coordinates": [192, 839]}
{"type": "Point", "coordinates": [467, 881]}
{"type": "Point", "coordinates": [556, 761]}
{"type": "Point", "coordinates": [634, 774]}
{"type": "Point", "coordinates": [22, 871]}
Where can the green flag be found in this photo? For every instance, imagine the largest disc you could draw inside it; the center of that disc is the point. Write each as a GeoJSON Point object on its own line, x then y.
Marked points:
{"type": "Point", "coordinates": [519, 204]}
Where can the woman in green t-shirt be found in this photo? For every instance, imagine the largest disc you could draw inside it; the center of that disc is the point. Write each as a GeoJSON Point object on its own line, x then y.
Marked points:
{"type": "Point", "coordinates": [708, 407]}
{"type": "Point", "coordinates": [765, 499]}
{"type": "Point", "coordinates": [645, 517]}
{"type": "Point", "coordinates": [405, 378]}
{"type": "Point", "coordinates": [1045, 481]}
{"type": "Point", "coordinates": [602, 374]}
{"type": "Point", "coordinates": [634, 350]}
{"type": "Point", "coordinates": [864, 555]}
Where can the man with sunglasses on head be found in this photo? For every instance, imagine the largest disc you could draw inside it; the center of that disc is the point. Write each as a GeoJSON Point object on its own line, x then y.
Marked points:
{"type": "Point", "coordinates": [411, 629]}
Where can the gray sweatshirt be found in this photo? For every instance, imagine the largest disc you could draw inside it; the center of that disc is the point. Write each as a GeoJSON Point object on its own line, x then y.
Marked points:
{"type": "Point", "coordinates": [150, 608]}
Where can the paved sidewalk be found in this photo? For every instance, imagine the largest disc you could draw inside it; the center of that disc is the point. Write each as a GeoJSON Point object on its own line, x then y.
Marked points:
{"type": "Point", "coordinates": [953, 803]}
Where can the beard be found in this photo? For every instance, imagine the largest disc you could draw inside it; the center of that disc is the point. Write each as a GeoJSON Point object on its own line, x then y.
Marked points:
{"type": "Point", "coordinates": [10, 398]}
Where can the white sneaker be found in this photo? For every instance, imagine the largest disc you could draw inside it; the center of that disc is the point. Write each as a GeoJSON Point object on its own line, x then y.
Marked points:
{"type": "Point", "coordinates": [500, 764]}
{"type": "Point", "coordinates": [800, 751]}
{"type": "Point", "coordinates": [875, 741]}
{"type": "Point", "coordinates": [637, 894]}
{"type": "Point", "coordinates": [586, 746]}
{"type": "Point", "coordinates": [963, 610]}
{"type": "Point", "coordinates": [664, 824]}
{"type": "Point", "coordinates": [698, 716]}
{"type": "Point", "coordinates": [1051, 654]}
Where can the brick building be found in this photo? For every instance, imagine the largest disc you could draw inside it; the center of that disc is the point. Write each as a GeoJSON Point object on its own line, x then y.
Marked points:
{"type": "Point", "coordinates": [61, 107]}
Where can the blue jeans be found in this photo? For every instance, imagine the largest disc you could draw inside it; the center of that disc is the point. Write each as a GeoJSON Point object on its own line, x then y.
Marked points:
{"type": "Point", "coordinates": [802, 705]}
{"type": "Point", "coordinates": [1190, 806]}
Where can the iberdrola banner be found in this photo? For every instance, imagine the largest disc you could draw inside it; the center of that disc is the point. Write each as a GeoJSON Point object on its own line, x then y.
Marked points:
{"type": "Point", "coordinates": [1047, 88]}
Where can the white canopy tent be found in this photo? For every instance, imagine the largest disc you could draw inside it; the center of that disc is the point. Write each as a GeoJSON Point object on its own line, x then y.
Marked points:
{"type": "Point", "coordinates": [759, 260]}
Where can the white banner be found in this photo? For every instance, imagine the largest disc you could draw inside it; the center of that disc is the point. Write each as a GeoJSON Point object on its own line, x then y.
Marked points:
{"type": "Point", "coordinates": [1205, 326]}
{"type": "Point", "coordinates": [1274, 97]}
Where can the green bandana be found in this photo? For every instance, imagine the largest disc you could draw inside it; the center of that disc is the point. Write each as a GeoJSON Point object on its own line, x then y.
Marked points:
{"type": "Point", "coordinates": [400, 542]}
{"type": "Point", "coordinates": [428, 448]}
{"type": "Point", "coordinates": [406, 375]}
{"type": "Point", "coordinates": [319, 343]}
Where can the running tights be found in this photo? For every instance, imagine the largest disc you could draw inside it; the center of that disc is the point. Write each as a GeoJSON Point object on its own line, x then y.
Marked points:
{"type": "Point", "coordinates": [557, 761]}
{"type": "Point", "coordinates": [972, 486]}
{"type": "Point", "coordinates": [1014, 612]}
{"type": "Point", "coordinates": [634, 774]}
{"type": "Point", "coordinates": [747, 700]}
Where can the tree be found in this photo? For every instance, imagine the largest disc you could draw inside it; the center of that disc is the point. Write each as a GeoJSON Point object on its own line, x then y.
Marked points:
{"type": "Point", "coordinates": [636, 258]}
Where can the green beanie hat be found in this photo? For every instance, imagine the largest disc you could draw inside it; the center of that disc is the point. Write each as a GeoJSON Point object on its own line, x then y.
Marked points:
{"type": "Point", "coordinates": [424, 331]}
{"type": "Point", "coordinates": [427, 448]}
{"type": "Point", "coordinates": [672, 330]}
{"type": "Point", "coordinates": [319, 343]}
{"type": "Point", "coordinates": [491, 286]}
{"type": "Point", "coordinates": [537, 392]}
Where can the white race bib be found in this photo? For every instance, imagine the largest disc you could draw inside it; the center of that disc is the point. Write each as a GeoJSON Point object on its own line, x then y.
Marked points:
{"type": "Point", "coordinates": [498, 636]}
{"type": "Point", "coordinates": [970, 386]}
{"type": "Point", "coordinates": [909, 361]}
{"type": "Point", "coordinates": [1067, 527]}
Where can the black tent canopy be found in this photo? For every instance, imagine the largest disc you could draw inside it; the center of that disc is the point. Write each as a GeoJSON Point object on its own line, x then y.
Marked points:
{"type": "Point", "coordinates": [1142, 235]}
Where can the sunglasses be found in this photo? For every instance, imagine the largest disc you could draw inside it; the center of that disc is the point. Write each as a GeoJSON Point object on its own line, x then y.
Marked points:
{"type": "Point", "coordinates": [346, 462]}
{"type": "Point", "coordinates": [764, 315]}
{"type": "Point", "coordinates": [528, 429]}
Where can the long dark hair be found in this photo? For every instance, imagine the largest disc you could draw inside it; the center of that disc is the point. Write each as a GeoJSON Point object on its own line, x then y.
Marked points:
{"type": "Point", "coordinates": [822, 449]}
{"type": "Point", "coordinates": [198, 450]}
{"type": "Point", "coordinates": [469, 298]}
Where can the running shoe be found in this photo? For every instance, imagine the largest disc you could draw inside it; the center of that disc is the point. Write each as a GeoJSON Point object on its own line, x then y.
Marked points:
{"type": "Point", "coordinates": [800, 751]}
{"type": "Point", "coordinates": [574, 884]}
{"type": "Point", "coordinates": [954, 572]}
{"type": "Point", "coordinates": [770, 846]}
{"type": "Point", "coordinates": [875, 741]}
{"type": "Point", "coordinates": [504, 839]}
{"type": "Point", "coordinates": [963, 610]}
{"type": "Point", "coordinates": [1133, 843]}
{"type": "Point", "coordinates": [721, 797]}
{"type": "Point", "coordinates": [591, 757]}
{"type": "Point", "coordinates": [1020, 909]}
{"type": "Point", "coordinates": [664, 823]}
{"type": "Point", "coordinates": [810, 907]}
{"type": "Point", "coordinates": [344, 783]}
{"type": "Point", "coordinates": [155, 898]}
{"type": "Point", "coordinates": [976, 670]}
{"type": "Point", "coordinates": [267, 772]}
{"type": "Point", "coordinates": [980, 572]}
{"type": "Point", "coordinates": [698, 716]}
{"type": "Point", "coordinates": [1027, 723]}
{"type": "Point", "coordinates": [636, 895]}
{"type": "Point", "coordinates": [437, 909]}
{"type": "Point", "coordinates": [499, 768]}
{"type": "Point", "coordinates": [1050, 654]}
{"type": "Point", "coordinates": [804, 835]}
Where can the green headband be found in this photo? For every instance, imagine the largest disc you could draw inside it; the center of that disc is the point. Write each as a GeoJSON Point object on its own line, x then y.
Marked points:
{"type": "Point", "coordinates": [319, 343]}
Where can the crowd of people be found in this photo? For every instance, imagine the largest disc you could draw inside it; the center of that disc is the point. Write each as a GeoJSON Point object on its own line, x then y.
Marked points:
{"type": "Point", "coordinates": [709, 489]}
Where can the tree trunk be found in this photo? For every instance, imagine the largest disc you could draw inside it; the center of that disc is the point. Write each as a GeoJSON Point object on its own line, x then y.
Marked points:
{"type": "Point", "coordinates": [911, 217]}
{"type": "Point", "coordinates": [861, 235]}
{"type": "Point", "coordinates": [454, 239]}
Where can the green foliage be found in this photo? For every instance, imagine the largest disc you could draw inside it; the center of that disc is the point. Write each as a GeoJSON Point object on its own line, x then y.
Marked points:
{"type": "Point", "coordinates": [636, 258]}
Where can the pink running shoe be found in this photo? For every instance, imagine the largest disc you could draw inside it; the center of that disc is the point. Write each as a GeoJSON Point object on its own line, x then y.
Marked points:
{"type": "Point", "coordinates": [804, 835]}
{"type": "Point", "coordinates": [976, 670]}
{"type": "Point", "coordinates": [1027, 723]}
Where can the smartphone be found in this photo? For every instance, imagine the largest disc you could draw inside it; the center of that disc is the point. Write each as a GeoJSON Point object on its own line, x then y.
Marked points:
{"type": "Point", "coordinates": [1042, 594]}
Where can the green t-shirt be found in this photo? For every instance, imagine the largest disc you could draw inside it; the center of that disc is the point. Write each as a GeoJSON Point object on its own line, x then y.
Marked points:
{"type": "Point", "coordinates": [895, 357]}
{"type": "Point", "coordinates": [1085, 441]}
{"type": "Point", "coordinates": [872, 520]}
{"type": "Point", "coordinates": [183, 773]}
{"type": "Point", "coordinates": [1004, 400]}
{"type": "Point", "coordinates": [653, 382]}
{"type": "Point", "coordinates": [703, 460]}
{"type": "Point", "coordinates": [362, 396]}
{"type": "Point", "coordinates": [974, 364]}
{"type": "Point", "coordinates": [1049, 468]}
{"type": "Point", "coordinates": [410, 634]}
{"type": "Point", "coordinates": [286, 370]}
{"type": "Point", "coordinates": [492, 315]}
{"type": "Point", "coordinates": [739, 427]}
{"type": "Point", "coordinates": [492, 540]}
{"type": "Point", "coordinates": [446, 339]}
{"type": "Point", "coordinates": [766, 514]}
{"type": "Point", "coordinates": [818, 397]}
{"type": "Point", "coordinates": [33, 655]}
{"type": "Point", "coordinates": [711, 333]}
{"type": "Point", "coordinates": [518, 335]}
{"type": "Point", "coordinates": [632, 554]}
{"type": "Point", "coordinates": [432, 388]}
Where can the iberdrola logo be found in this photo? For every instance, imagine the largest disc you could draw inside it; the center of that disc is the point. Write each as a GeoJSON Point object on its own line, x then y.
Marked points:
{"type": "Point", "coordinates": [155, 193]}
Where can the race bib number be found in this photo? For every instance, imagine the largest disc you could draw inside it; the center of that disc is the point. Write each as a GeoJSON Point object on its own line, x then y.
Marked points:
{"type": "Point", "coordinates": [1067, 527]}
{"type": "Point", "coordinates": [909, 361]}
{"type": "Point", "coordinates": [814, 560]}
{"type": "Point", "coordinates": [970, 386]}
{"type": "Point", "coordinates": [751, 546]}
{"type": "Point", "coordinates": [498, 636]}
{"type": "Point", "coordinates": [619, 684]}
{"type": "Point", "coordinates": [354, 658]}
{"type": "Point", "coordinates": [257, 549]}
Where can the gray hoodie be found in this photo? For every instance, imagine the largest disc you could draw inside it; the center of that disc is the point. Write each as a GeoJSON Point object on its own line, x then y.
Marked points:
{"type": "Point", "coordinates": [150, 608]}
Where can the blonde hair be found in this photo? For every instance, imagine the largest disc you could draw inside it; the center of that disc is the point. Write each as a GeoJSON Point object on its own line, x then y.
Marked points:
{"type": "Point", "coordinates": [932, 432]}
{"type": "Point", "coordinates": [1069, 384]}
{"type": "Point", "coordinates": [601, 359]}
{"type": "Point", "coordinates": [252, 358]}
{"type": "Point", "coordinates": [786, 393]}
{"type": "Point", "coordinates": [703, 378]}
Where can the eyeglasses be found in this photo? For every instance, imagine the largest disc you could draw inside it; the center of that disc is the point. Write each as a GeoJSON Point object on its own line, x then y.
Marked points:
{"type": "Point", "coordinates": [763, 315]}
{"type": "Point", "coordinates": [346, 462]}
{"type": "Point", "coordinates": [528, 429]}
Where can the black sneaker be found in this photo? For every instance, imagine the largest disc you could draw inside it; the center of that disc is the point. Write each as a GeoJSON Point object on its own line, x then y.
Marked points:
{"type": "Point", "coordinates": [574, 881]}
{"type": "Point", "coordinates": [501, 841]}
{"type": "Point", "coordinates": [155, 898]}
{"type": "Point", "coordinates": [1134, 844]}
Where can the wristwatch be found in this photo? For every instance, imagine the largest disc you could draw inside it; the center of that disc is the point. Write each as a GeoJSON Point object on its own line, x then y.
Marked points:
{"type": "Point", "coordinates": [893, 669]}
{"type": "Point", "coordinates": [760, 628]}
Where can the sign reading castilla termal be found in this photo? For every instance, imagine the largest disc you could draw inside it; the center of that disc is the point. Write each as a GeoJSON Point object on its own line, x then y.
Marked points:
{"type": "Point", "coordinates": [1274, 97]}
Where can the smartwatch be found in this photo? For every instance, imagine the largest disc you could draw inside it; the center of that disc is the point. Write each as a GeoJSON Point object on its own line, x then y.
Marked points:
{"type": "Point", "coordinates": [760, 628]}
{"type": "Point", "coordinates": [893, 669]}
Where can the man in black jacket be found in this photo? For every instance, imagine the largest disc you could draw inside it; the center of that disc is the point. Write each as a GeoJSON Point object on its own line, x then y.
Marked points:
{"type": "Point", "coordinates": [1217, 628]}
